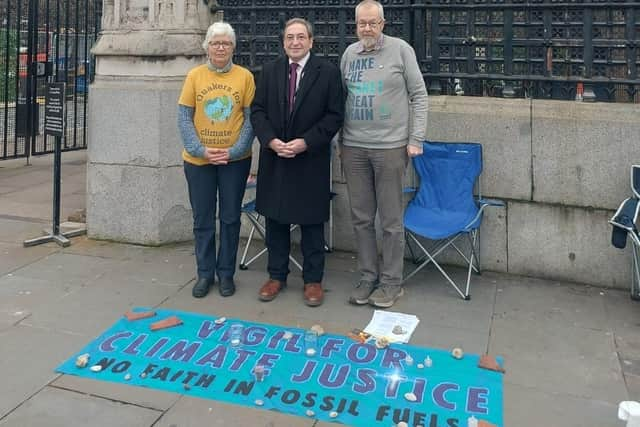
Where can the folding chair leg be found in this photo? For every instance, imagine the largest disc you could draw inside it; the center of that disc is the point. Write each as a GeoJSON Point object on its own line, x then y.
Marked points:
{"type": "Point", "coordinates": [466, 258]}
{"type": "Point", "coordinates": [296, 263]}
{"type": "Point", "coordinates": [477, 246]}
{"type": "Point", "coordinates": [472, 240]}
{"type": "Point", "coordinates": [451, 282]}
{"type": "Point", "coordinates": [444, 273]}
{"type": "Point", "coordinates": [408, 240]}
{"type": "Point", "coordinates": [635, 274]}
{"type": "Point", "coordinates": [243, 266]}
{"type": "Point", "coordinates": [255, 226]}
{"type": "Point", "coordinates": [421, 266]}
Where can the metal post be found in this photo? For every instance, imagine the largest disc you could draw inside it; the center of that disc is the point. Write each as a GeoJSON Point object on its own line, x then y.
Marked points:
{"type": "Point", "coordinates": [434, 87]}
{"type": "Point", "coordinates": [54, 115]}
{"type": "Point", "coordinates": [588, 94]}
{"type": "Point", "coordinates": [507, 55]}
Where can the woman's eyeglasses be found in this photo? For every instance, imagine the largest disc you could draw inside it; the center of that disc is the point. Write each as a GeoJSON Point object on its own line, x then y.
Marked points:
{"type": "Point", "coordinates": [219, 44]}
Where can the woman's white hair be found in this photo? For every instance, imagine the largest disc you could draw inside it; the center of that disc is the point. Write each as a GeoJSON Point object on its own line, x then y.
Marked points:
{"type": "Point", "coordinates": [219, 29]}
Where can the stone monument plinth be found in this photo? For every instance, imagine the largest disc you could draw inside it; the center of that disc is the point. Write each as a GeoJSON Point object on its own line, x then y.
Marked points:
{"type": "Point", "coordinates": [136, 190]}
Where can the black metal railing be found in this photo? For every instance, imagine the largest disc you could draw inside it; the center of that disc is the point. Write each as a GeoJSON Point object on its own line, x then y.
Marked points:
{"type": "Point", "coordinates": [541, 48]}
{"type": "Point", "coordinates": [44, 41]}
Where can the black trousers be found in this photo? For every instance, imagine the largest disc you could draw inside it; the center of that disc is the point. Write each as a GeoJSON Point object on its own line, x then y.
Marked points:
{"type": "Point", "coordinates": [278, 241]}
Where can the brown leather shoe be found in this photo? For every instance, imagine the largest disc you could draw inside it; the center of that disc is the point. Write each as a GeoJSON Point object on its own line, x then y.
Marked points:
{"type": "Point", "coordinates": [313, 294]}
{"type": "Point", "coordinates": [271, 289]}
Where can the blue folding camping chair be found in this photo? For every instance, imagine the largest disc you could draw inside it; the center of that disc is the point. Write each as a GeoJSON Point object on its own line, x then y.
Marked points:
{"type": "Point", "coordinates": [444, 208]}
{"type": "Point", "coordinates": [624, 223]}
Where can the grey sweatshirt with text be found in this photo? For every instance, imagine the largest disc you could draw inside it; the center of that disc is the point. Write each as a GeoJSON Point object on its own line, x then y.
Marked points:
{"type": "Point", "coordinates": [387, 102]}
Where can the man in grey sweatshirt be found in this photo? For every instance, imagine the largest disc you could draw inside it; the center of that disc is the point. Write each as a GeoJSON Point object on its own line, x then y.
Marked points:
{"type": "Point", "coordinates": [385, 123]}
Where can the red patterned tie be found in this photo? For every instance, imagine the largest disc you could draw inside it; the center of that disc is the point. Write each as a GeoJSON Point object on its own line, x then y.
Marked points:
{"type": "Point", "coordinates": [293, 77]}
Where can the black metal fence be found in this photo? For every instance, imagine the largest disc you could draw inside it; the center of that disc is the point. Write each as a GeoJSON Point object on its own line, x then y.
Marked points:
{"type": "Point", "coordinates": [44, 41]}
{"type": "Point", "coordinates": [575, 49]}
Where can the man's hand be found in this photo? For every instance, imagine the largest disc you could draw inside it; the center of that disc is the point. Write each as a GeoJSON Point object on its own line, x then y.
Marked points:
{"type": "Point", "coordinates": [414, 150]}
{"type": "Point", "coordinates": [280, 148]}
{"type": "Point", "coordinates": [297, 146]}
{"type": "Point", "coordinates": [217, 156]}
{"type": "Point", "coordinates": [289, 149]}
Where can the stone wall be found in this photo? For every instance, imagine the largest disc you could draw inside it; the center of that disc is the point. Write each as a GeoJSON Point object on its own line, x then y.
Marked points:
{"type": "Point", "coordinates": [561, 167]}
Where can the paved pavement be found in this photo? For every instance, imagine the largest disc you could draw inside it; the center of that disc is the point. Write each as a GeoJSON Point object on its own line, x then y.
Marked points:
{"type": "Point", "coordinates": [571, 351]}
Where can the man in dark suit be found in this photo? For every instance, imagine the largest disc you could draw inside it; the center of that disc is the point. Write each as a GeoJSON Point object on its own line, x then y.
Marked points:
{"type": "Point", "coordinates": [298, 108]}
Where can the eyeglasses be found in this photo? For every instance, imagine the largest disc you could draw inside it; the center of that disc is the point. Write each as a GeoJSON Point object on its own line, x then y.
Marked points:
{"type": "Point", "coordinates": [373, 25]}
{"type": "Point", "coordinates": [299, 37]}
{"type": "Point", "coordinates": [218, 45]}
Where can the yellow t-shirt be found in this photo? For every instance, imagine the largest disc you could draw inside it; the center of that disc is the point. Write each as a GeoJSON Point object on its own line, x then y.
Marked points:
{"type": "Point", "coordinates": [218, 100]}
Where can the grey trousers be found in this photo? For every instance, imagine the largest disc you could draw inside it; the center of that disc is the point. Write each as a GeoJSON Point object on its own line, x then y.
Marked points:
{"type": "Point", "coordinates": [375, 182]}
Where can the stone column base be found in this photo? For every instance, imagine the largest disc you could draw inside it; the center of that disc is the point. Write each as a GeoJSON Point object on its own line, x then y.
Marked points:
{"type": "Point", "coordinates": [136, 189]}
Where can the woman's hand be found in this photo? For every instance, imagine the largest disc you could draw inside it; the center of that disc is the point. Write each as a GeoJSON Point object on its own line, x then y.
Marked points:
{"type": "Point", "coordinates": [217, 156]}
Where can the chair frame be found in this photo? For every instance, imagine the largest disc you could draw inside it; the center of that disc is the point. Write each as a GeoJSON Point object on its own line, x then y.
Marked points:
{"type": "Point", "coordinates": [633, 233]}
{"type": "Point", "coordinates": [257, 226]}
{"type": "Point", "coordinates": [473, 235]}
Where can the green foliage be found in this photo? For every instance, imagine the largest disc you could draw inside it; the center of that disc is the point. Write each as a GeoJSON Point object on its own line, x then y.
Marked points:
{"type": "Point", "coordinates": [8, 44]}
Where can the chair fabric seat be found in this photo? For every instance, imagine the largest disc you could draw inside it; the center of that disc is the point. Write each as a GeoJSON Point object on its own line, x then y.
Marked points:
{"type": "Point", "coordinates": [435, 225]}
{"type": "Point", "coordinates": [444, 208]}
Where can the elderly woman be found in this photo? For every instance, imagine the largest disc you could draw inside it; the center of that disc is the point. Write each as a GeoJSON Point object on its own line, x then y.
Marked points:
{"type": "Point", "coordinates": [213, 119]}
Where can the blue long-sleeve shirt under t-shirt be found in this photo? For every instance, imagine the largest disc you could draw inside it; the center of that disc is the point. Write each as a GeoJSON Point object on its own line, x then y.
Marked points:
{"type": "Point", "coordinates": [192, 143]}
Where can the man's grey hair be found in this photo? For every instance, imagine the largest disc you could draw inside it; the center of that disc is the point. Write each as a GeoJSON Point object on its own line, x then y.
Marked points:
{"type": "Point", "coordinates": [299, 21]}
{"type": "Point", "coordinates": [219, 29]}
{"type": "Point", "coordinates": [369, 3]}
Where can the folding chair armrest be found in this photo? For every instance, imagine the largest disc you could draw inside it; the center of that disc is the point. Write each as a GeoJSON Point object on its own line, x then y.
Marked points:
{"type": "Point", "coordinates": [490, 202]}
{"type": "Point", "coordinates": [635, 180]}
{"type": "Point", "coordinates": [626, 215]}
{"type": "Point", "coordinates": [483, 204]}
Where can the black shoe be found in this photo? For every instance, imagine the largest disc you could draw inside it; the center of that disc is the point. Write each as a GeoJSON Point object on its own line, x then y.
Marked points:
{"type": "Point", "coordinates": [227, 287]}
{"type": "Point", "coordinates": [201, 288]}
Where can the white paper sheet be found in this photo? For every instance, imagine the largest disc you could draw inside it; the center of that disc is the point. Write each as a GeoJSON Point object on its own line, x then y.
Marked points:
{"type": "Point", "coordinates": [383, 322]}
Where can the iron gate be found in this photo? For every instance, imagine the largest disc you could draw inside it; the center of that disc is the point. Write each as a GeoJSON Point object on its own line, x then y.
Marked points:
{"type": "Point", "coordinates": [44, 41]}
{"type": "Point", "coordinates": [512, 48]}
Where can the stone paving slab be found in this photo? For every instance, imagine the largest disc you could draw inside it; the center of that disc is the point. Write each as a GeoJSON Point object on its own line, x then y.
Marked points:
{"type": "Point", "coordinates": [22, 296]}
{"type": "Point", "coordinates": [54, 407]}
{"type": "Point", "coordinates": [552, 303]}
{"type": "Point", "coordinates": [336, 315]}
{"type": "Point", "coordinates": [633, 386]}
{"type": "Point", "coordinates": [139, 396]}
{"type": "Point", "coordinates": [14, 231]}
{"type": "Point", "coordinates": [68, 268]}
{"type": "Point", "coordinates": [42, 210]}
{"type": "Point", "coordinates": [529, 407]}
{"type": "Point", "coordinates": [101, 306]}
{"type": "Point", "coordinates": [28, 357]}
{"type": "Point", "coordinates": [195, 412]}
{"type": "Point", "coordinates": [175, 253]}
{"type": "Point", "coordinates": [15, 255]}
{"type": "Point", "coordinates": [572, 352]}
{"type": "Point", "coordinates": [622, 314]}
{"type": "Point", "coordinates": [576, 361]}
{"type": "Point", "coordinates": [160, 271]}
{"type": "Point", "coordinates": [39, 194]}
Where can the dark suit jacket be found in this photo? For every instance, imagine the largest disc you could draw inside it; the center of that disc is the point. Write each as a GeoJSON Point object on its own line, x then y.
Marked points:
{"type": "Point", "coordinates": [296, 191]}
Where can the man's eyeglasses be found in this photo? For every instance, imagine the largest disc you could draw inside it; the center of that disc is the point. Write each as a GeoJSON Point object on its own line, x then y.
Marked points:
{"type": "Point", "coordinates": [300, 37]}
{"type": "Point", "coordinates": [373, 25]}
{"type": "Point", "coordinates": [218, 45]}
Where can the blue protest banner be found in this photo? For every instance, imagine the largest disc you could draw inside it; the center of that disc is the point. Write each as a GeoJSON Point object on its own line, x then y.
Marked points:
{"type": "Point", "coordinates": [341, 381]}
